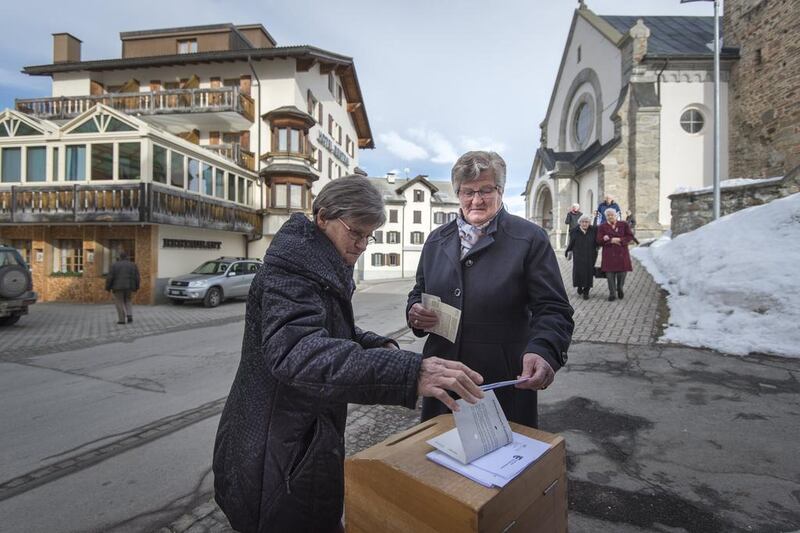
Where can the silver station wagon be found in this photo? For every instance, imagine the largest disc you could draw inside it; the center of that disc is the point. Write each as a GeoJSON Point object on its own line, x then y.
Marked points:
{"type": "Point", "coordinates": [214, 281]}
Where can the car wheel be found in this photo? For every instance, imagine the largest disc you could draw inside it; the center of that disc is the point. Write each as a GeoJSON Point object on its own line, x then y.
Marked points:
{"type": "Point", "coordinates": [176, 302]}
{"type": "Point", "coordinates": [13, 281]}
{"type": "Point", "coordinates": [9, 320]}
{"type": "Point", "coordinates": [213, 297]}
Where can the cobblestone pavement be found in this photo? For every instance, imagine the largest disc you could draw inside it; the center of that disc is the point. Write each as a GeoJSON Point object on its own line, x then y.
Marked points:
{"type": "Point", "coordinates": [55, 327]}
{"type": "Point", "coordinates": [633, 320]}
{"type": "Point", "coordinates": [60, 326]}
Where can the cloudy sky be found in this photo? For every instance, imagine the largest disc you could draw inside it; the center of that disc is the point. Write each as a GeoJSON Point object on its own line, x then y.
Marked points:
{"type": "Point", "coordinates": [438, 77]}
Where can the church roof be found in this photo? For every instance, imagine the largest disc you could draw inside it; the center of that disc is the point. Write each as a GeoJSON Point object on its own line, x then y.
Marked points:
{"type": "Point", "coordinates": [673, 35]}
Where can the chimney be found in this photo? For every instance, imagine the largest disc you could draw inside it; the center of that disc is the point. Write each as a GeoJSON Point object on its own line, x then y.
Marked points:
{"type": "Point", "coordinates": [390, 177]}
{"type": "Point", "coordinates": [66, 48]}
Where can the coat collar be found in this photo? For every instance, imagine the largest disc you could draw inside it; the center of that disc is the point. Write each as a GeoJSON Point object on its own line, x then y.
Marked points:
{"type": "Point", "coordinates": [302, 247]}
{"type": "Point", "coordinates": [451, 244]}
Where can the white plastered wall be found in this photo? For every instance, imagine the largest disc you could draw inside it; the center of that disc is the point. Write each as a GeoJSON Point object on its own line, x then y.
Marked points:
{"type": "Point", "coordinates": [687, 160]}
{"type": "Point", "coordinates": [602, 56]}
{"type": "Point", "coordinates": [177, 261]}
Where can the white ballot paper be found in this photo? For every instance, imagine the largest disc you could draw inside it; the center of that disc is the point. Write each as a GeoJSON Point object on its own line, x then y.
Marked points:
{"type": "Point", "coordinates": [482, 446]}
{"type": "Point", "coordinates": [448, 315]}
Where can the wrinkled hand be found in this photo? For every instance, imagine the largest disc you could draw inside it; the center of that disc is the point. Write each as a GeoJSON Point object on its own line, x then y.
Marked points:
{"type": "Point", "coordinates": [535, 367]}
{"type": "Point", "coordinates": [421, 318]}
{"type": "Point", "coordinates": [568, 255]}
{"type": "Point", "coordinates": [606, 237]}
{"type": "Point", "coordinates": [390, 346]}
{"type": "Point", "coordinates": [615, 240]}
{"type": "Point", "coordinates": [437, 376]}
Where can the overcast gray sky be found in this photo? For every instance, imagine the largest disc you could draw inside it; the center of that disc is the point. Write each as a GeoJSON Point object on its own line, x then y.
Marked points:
{"type": "Point", "coordinates": [438, 77]}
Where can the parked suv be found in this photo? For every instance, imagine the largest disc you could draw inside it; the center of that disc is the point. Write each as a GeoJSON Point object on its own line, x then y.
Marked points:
{"type": "Point", "coordinates": [16, 286]}
{"type": "Point", "coordinates": [214, 281]}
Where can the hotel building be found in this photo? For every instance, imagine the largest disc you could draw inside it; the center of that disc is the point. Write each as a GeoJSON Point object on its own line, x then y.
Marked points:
{"type": "Point", "coordinates": [198, 142]}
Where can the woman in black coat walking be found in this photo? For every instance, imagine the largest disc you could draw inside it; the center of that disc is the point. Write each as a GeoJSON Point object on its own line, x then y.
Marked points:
{"type": "Point", "coordinates": [279, 451]}
{"type": "Point", "coordinates": [582, 249]}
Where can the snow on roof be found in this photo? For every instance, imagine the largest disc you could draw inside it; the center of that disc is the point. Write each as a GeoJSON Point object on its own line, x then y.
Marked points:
{"type": "Point", "coordinates": [739, 182]}
{"type": "Point", "coordinates": [733, 283]}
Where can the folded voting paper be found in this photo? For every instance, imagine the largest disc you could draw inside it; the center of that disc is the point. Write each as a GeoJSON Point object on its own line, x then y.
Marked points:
{"type": "Point", "coordinates": [482, 446]}
{"type": "Point", "coordinates": [448, 315]}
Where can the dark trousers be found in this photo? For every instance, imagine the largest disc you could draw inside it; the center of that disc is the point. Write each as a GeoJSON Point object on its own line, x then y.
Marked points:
{"type": "Point", "coordinates": [616, 282]}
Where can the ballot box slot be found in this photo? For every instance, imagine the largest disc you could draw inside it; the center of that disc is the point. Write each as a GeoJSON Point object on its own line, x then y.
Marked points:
{"type": "Point", "coordinates": [417, 431]}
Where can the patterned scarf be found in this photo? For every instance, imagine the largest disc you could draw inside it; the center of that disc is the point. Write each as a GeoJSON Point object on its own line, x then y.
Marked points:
{"type": "Point", "coordinates": [469, 234]}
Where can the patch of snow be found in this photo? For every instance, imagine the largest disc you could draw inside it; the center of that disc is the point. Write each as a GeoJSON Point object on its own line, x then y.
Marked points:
{"type": "Point", "coordinates": [738, 182]}
{"type": "Point", "coordinates": [734, 283]}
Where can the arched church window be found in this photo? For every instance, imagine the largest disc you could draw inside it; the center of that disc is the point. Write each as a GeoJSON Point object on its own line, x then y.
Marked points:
{"type": "Point", "coordinates": [582, 123]}
{"type": "Point", "coordinates": [692, 121]}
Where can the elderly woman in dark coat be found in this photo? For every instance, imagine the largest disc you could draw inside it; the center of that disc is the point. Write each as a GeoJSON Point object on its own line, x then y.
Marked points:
{"type": "Point", "coordinates": [279, 451]}
{"type": "Point", "coordinates": [614, 235]}
{"type": "Point", "coordinates": [582, 249]}
{"type": "Point", "coordinates": [502, 273]}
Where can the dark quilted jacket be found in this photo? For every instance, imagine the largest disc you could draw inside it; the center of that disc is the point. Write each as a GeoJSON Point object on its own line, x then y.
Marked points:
{"type": "Point", "coordinates": [279, 451]}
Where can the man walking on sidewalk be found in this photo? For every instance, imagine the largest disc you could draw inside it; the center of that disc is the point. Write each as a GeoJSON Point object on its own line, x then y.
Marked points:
{"type": "Point", "coordinates": [122, 280]}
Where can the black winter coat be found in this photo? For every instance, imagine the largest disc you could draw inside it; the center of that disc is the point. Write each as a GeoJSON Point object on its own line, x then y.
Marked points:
{"type": "Point", "coordinates": [572, 219]}
{"type": "Point", "coordinates": [123, 276]}
{"type": "Point", "coordinates": [512, 301]}
{"type": "Point", "coordinates": [584, 255]}
{"type": "Point", "coordinates": [279, 451]}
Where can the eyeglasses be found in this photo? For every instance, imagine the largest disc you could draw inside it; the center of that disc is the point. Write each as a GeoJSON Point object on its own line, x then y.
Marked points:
{"type": "Point", "coordinates": [483, 192]}
{"type": "Point", "coordinates": [356, 236]}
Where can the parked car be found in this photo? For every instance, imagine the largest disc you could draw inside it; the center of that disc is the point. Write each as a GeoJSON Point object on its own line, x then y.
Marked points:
{"type": "Point", "coordinates": [213, 282]}
{"type": "Point", "coordinates": [16, 286]}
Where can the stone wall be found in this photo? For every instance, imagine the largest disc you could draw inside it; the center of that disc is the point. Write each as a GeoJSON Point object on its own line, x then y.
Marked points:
{"type": "Point", "coordinates": [90, 286]}
{"type": "Point", "coordinates": [690, 210]}
{"type": "Point", "coordinates": [764, 97]}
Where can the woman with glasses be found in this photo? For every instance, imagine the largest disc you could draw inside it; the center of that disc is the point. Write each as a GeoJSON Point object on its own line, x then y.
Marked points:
{"type": "Point", "coordinates": [502, 273]}
{"type": "Point", "coordinates": [279, 451]}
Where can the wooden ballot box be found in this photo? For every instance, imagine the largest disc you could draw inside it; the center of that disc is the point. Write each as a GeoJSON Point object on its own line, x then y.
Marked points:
{"type": "Point", "coordinates": [393, 487]}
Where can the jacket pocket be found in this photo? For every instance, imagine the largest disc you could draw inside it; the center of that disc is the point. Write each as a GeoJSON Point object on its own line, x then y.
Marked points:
{"type": "Point", "coordinates": [303, 454]}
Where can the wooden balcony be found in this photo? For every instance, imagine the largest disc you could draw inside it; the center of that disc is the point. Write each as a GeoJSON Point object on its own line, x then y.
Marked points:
{"type": "Point", "coordinates": [223, 107]}
{"type": "Point", "coordinates": [234, 152]}
{"type": "Point", "coordinates": [123, 203]}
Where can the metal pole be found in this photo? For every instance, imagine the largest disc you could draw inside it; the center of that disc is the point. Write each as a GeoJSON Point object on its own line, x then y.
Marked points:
{"type": "Point", "coordinates": [716, 111]}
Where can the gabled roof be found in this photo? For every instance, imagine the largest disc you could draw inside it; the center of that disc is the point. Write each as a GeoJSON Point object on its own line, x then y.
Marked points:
{"type": "Point", "coordinates": [441, 191]}
{"type": "Point", "coordinates": [673, 36]}
{"type": "Point", "coordinates": [582, 160]}
{"type": "Point", "coordinates": [419, 179]}
{"type": "Point", "coordinates": [305, 55]}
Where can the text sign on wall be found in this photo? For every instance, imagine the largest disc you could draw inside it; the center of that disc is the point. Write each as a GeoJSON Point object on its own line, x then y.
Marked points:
{"type": "Point", "coordinates": [188, 243]}
{"type": "Point", "coordinates": [337, 153]}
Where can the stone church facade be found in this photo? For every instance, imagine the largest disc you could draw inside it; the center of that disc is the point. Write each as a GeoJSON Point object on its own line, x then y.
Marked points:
{"type": "Point", "coordinates": [631, 115]}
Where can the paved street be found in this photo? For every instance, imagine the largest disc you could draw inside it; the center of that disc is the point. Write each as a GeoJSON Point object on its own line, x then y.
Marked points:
{"type": "Point", "coordinates": [660, 438]}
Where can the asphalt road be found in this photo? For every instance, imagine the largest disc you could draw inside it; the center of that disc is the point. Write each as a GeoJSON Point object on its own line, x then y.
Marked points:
{"type": "Point", "coordinates": [118, 436]}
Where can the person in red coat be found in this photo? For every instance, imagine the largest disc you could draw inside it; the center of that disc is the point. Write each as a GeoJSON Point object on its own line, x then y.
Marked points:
{"type": "Point", "coordinates": [614, 235]}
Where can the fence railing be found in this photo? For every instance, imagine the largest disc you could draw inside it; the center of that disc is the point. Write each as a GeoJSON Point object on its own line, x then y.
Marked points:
{"type": "Point", "coordinates": [234, 152]}
{"type": "Point", "coordinates": [123, 202]}
{"type": "Point", "coordinates": [209, 100]}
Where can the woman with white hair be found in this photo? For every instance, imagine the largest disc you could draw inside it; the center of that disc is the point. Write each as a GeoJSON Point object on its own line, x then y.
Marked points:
{"type": "Point", "coordinates": [501, 272]}
{"type": "Point", "coordinates": [573, 216]}
{"type": "Point", "coordinates": [582, 249]}
{"type": "Point", "coordinates": [614, 235]}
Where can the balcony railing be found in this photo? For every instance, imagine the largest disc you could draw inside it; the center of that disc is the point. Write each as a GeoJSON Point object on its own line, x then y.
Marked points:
{"type": "Point", "coordinates": [211, 100]}
{"type": "Point", "coordinates": [234, 152]}
{"type": "Point", "coordinates": [123, 202]}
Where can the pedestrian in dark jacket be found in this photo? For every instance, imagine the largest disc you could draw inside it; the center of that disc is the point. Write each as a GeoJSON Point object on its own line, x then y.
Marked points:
{"type": "Point", "coordinates": [582, 250]}
{"type": "Point", "coordinates": [614, 236]}
{"type": "Point", "coordinates": [573, 216]}
{"type": "Point", "coordinates": [502, 273]}
{"type": "Point", "coordinates": [607, 203]}
{"type": "Point", "coordinates": [279, 450]}
{"type": "Point", "coordinates": [123, 279]}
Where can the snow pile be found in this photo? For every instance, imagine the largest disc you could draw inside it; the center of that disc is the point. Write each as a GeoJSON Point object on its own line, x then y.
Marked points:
{"type": "Point", "coordinates": [734, 284]}
{"type": "Point", "coordinates": [724, 184]}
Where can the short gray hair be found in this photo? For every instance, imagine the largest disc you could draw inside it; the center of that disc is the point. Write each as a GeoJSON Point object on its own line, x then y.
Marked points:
{"type": "Point", "coordinates": [470, 165]}
{"type": "Point", "coordinates": [353, 197]}
{"type": "Point", "coordinates": [587, 218]}
{"type": "Point", "coordinates": [610, 210]}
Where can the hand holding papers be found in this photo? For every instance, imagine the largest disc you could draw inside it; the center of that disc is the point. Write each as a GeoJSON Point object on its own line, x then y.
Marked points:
{"type": "Point", "coordinates": [448, 315]}
{"type": "Point", "coordinates": [482, 447]}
